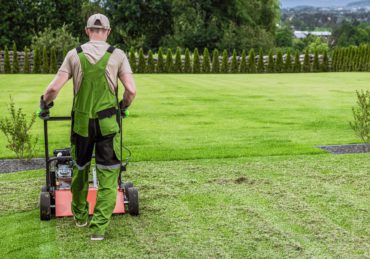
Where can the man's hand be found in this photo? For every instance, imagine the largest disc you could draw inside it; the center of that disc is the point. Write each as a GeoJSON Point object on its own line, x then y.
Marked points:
{"type": "Point", "coordinates": [123, 110]}
{"type": "Point", "coordinates": [43, 111]}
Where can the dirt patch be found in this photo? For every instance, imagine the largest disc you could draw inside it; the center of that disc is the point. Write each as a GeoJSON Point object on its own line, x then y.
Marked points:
{"type": "Point", "coordinates": [239, 180]}
{"type": "Point", "coordinates": [15, 165]}
{"type": "Point", "coordinates": [346, 149]}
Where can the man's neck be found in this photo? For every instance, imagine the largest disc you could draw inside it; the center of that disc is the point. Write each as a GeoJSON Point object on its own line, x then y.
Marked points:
{"type": "Point", "coordinates": [97, 39]}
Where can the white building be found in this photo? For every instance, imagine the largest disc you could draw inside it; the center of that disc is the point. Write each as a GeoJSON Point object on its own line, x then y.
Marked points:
{"type": "Point", "coordinates": [304, 34]}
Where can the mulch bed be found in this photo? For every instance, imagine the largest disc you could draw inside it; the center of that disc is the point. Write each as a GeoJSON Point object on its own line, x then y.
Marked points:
{"type": "Point", "coordinates": [15, 165]}
{"type": "Point", "coordinates": [346, 149]}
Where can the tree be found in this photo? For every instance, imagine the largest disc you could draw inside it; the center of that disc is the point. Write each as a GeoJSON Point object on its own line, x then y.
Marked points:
{"type": "Point", "coordinates": [215, 61]}
{"type": "Point", "coordinates": [45, 61]}
{"type": "Point", "coordinates": [37, 58]}
{"type": "Point", "coordinates": [196, 61]}
{"type": "Point", "coordinates": [306, 62]}
{"type": "Point", "coordinates": [53, 61]}
{"type": "Point", "coordinates": [361, 115]}
{"type": "Point", "coordinates": [206, 64]}
{"type": "Point", "coordinates": [225, 62]}
{"type": "Point", "coordinates": [279, 62]}
{"type": "Point", "coordinates": [284, 37]}
{"type": "Point", "coordinates": [187, 63]}
{"type": "Point", "coordinates": [252, 62]}
{"type": "Point", "coordinates": [325, 62]}
{"type": "Point", "coordinates": [316, 62]}
{"type": "Point", "coordinates": [15, 59]}
{"type": "Point", "coordinates": [288, 62]}
{"type": "Point", "coordinates": [178, 61]}
{"type": "Point", "coordinates": [141, 67]}
{"type": "Point", "coordinates": [234, 63]}
{"type": "Point", "coordinates": [243, 68]}
{"type": "Point", "coordinates": [160, 62]}
{"type": "Point", "coordinates": [26, 63]}
{"type": "Point", "coordinates": [260, 64]}
{"type": "Point", "coordinates": [7, 67]}
{"type": "Point", "coordinates": [169, 61]}
{"type": "Point", "coordinates": [132, 60]}
{"type": "Point", "coordinates": [297, 63]}
{"type": "Point", "coordinates": [271, 63]}
{"type": "Point", "coordinates": [150, 68]}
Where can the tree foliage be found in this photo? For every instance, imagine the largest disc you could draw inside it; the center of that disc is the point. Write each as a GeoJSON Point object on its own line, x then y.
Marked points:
{"type": "Point", "coordinates": [15, 67]}
{"type": "Point", "coordinates": [53, 61]}
{"type": "Point", "coordinates": [150, 68]}
{"type": "Point", "coordinates": [361, 116]}
{"type": "Point", "coordinates": [271, 63]}
{"type": "Point", "coordinates": [7, 66]}
{"type": "Point", "coordinates": [196, 61]}
{"type": "Point", "coordinates": [225, 62]}
{"type": "Point", "coordinates": [215, 61]}
{"type": "Point", "coordinates": [187, 63]}
{"type": "Point", "coordinates": [243, 68]}
{"type": "Point", "coordinates": [26, 63]}
{"type": "Point", "coordinates": [206, 64]}
{"type": "Point", "coordinates": [234, 68]}
{"type": "Point", "coordinates": [178, 62]}
{"type": "Point", "coordinates": [45, 61]}
{"type": "Point", "coordinates": [252, 62]}
{"type": "Point", "coordinates": [141, 66]}
{"type": "Point", "coordinates": [260, 64]}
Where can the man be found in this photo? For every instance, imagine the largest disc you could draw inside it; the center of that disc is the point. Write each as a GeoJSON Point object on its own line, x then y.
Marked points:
{"type": "Point", "coordinates": [95, 68]}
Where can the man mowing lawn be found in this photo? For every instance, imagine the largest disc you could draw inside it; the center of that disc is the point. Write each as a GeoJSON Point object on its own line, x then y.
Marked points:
{"type": "Point", "coordinates": [95, 68]}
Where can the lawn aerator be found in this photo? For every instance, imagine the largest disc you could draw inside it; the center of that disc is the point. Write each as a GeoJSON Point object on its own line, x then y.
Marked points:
{"type": "Point", "coordinates": [56, 196]}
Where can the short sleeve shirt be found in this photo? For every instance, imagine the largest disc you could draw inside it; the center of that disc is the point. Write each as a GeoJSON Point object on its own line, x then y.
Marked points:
{"type": "Point", "coordinates": [94, 50]}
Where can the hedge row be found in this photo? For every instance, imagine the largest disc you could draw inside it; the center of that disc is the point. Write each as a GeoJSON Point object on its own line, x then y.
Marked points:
{"type": "Point", "coordinates": [343, 59]}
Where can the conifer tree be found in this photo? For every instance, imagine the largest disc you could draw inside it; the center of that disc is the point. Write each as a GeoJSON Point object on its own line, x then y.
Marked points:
{"type": "Point", "coordinates": [15, 59]}
{"type": "Point", "coordinates": [306, 62]}
{"type": "Point", "coordinates": [261, 63]}
{"type": "Point", "coordinates": [26, 63]}
{"type": "Point", "coordinates": [334, 60]}
{"type": "Point", "coordinates": [243, 67]}
{"type": "Point", "coordinates": [279, 62]}
{"type": "Point", "coordinates": [206, 64]}
{"type": "Point", "coordinates": [53, 61]}
{"type": "Point", "coordinates": [215, 61]}
{"type": "Point", "coordinates": [64, 52]}
{"type": "Point", "coordinates": [297, 63]}
{"type": "Point", "coordinates": [234, 63]}
{"type": "Point", "coordinates": [339, 62]}
{"type": "Point", "coordinates": [160, 62]}
{"type": "Point", "coordinates": [132, 60]}
{"type": "Point", "coordinates": [169, 61]}
{"type": "Point", "coordinates": [45, 61]}
{"type": "Point", "coordinates": [150, 68]}
{"type": "Point", "coordinates": [187, 63]}
{"type": "Point", "coordinates": [316, 62]}
{"type": "Point", "coordinates": [271, 64]}
{"type": "Point", "coordinates": [141, 66]}
{"type": "Point", "coordinates": [288, 62]}
{"type": "Point", "coordinates": [252, 62]}
{"type": "Point", "coordinates": [37, 60]}
{"type": "Point", "coordinates": [196, 61]}
{"type": "Point", "coordinates": [225, 62]}
{"type": "Point", "coordinates": [7, 67]}
{"type": "Point", "coordinates": [325, 62]}
{"type": "Point", "coordinates": [178, 62]}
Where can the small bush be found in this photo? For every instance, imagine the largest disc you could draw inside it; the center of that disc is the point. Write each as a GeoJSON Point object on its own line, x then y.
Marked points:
{"type": "Point", "coordinates": [288, 62]}
{"type": "Point", "coordinates": [225, 62]}
{"type": "Point", "coordinates": [160, 62]}
{"type": "Point", "coordinates": [26, 63]}
{"type": "Point", "coordinates": [234, 63]}
{"type": "Point", "coordinates": [45, 61]}
{"type": "Point", "coordinates": [196, 61]}
{"type": "Point", "coordinates": [260, 64]}
{"type": "Point", "coordinates": [53, 61]}
{"type": "Point", "coordinates": [132, 60]}
{"type": "Point", "coordinates": [150, 68]}
{"type": "Point", "coordinates": [306, 62]}
{"type": "Point", "coordinates": [187, 65]}
{"type": "Point", "coordinates": [141, 64]}
{"type": "Point", "coordinates": [178, 62]}
{"type": "Point", "coordinates": [243, 63]}
{"type": "Point", "coordinates": [271, 63]}
{"type": "Point", "coordinates": [15, 69]}
{"type": "Point", "coordinates": [37, 56]}
{"type": "Point", "coordinates": [215, 61]}
{"type": "Point", "coordinates": [279, 62]}
{"type": "Point", "coordinates": [7, 67]}
{"type": "Point", "coordinates": [16, 129]}
{"type": "Point", "coordinates": [297, 63]}
{"type": "Point", "coordinates": [169, 61]}
{"type": "Point", "coordinates": [252, 62]}
{"type": "Point", "coordinates": [316, 62]}
{"type": "Point", "coordinates": [361, 116]}
{"type": "Point", "coordinates": [206, 64]}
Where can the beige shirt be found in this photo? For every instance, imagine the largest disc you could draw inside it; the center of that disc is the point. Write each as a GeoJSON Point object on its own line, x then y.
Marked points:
{"type": "Point", "coordinates": [94, 50]}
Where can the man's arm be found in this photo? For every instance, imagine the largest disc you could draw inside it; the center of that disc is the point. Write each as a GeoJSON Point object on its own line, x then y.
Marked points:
{"type": "Point", "coordinates": [55, 86]}
{"type": "Point", "coordinates": [130, 89]}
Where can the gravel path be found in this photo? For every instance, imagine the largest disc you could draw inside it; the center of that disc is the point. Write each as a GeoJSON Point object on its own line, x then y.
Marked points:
{"type": "Point", "coordinates": [347, 149]}
{"type": "Point", "coordinates": [15, 165]}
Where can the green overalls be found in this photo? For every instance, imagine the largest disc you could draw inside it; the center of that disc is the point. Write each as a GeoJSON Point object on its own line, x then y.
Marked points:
{"type": "Point", "coordinates": [95, 123]}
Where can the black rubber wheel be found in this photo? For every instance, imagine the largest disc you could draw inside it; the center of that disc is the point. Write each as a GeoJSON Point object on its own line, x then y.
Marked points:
{"type": "Point", "coordinates": [44, 189]}
{"type": "Point", "coordinates": [45, 211]}
{"type": "Point", "coordinates": [133, 201]}
{"type": "Point", "coordinates": [126, 186]}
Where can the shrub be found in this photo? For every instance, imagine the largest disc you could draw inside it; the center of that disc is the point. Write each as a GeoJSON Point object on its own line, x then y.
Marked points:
{"type": "Point", "coordinates": [187, 65]}
{"type": "Point", "coordinates": [26, 63]}
{"type": "Point", "coordinates": [16, 129]}
{"type": "Point", "coordinates": [252, 62]}
{"type": "Point", "coordinates": [234, 63]}
{"type": "Point", "coordinates": [132, 60]}
{"type": "Point", "coordinates": [150, 68]}
{"type": "Point", "coordinates": [206, 64]}
{"type": "Point", "coordinates": [169, 61]}
{"type": "Point", "coordinates": [160, 62]}
{"type": "Point", "coordinates": [297, 63]}
{"type": "Point", "coordinates": [316, 62]}
{"type": "Point", "coordinates": [260, 64]}
{"type": "Point", "coordinates": [7, 67]}
{"type": "Point", "coordinates": [215, 61]}
{"type": "Point", "coordinates": [141, 63]}
{"type": "Point", "coordinates": [279, 62]}
{"type": "Point", "coordinates": [271, 63]}
{"type": "Point", "coordinates": [53, 61]}
{"type": "Point", "coordinates": [178, 62]}
{"type": "Point", "coordinates": [225, 62]}
{"type": "Point", "coordinates": [288, 62]}
{"type": "Point", "coordinates": [361, 116]}
{"type": "Point", "coordinates": [37, 61]}
{"type": "Point", "coordinates": [45, 61]}
{"type": "Point", "coordinates": [306, 62]}
{"type": "Point", "coordinates": [325, 62]}
{"type": "Point", "coordinates": [15, 59]}
{"type": "Point", "coordinates": [64, 52]}
{"type": "Point", "coordinates": [196, 61]}
{"type": "Point", "coordinates": [243, 63]}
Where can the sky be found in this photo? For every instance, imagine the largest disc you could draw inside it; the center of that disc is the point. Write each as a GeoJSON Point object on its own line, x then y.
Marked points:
{"type": "Point", "coordinates": [321, 3]}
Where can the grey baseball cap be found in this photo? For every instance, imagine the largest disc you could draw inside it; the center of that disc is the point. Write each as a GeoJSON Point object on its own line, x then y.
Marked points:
{"type": "Point", "coordinates": [93, 21]}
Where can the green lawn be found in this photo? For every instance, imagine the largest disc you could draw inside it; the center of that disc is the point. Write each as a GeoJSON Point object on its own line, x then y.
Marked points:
{"type": "Point", "coordinates": [225, 165]}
